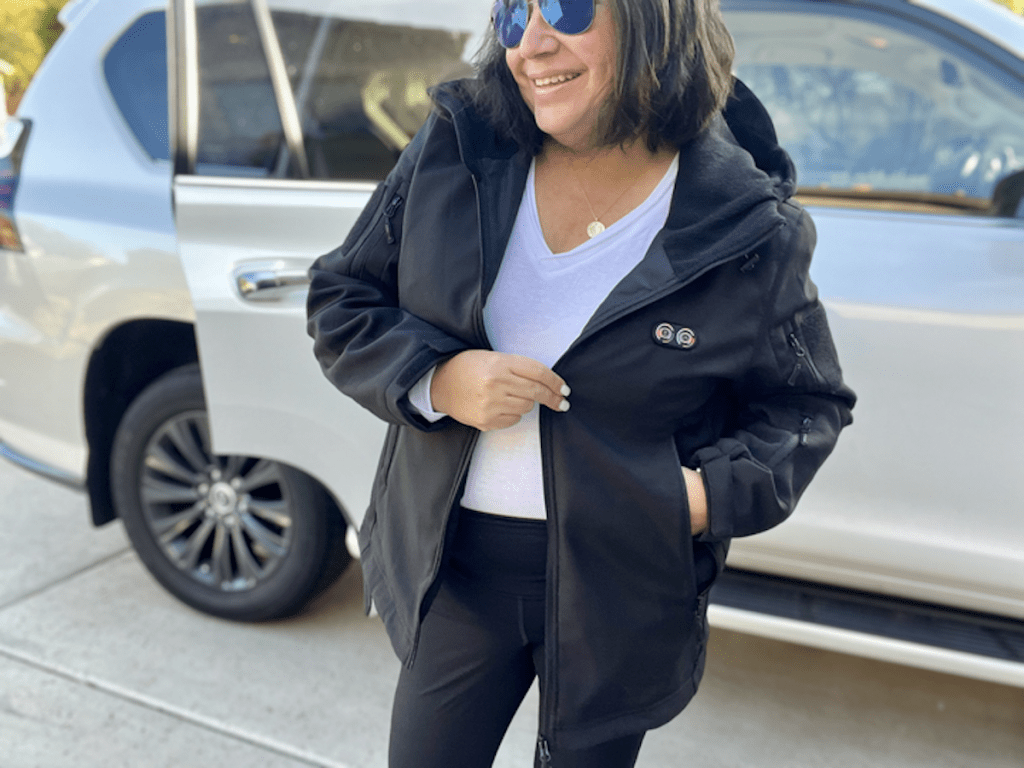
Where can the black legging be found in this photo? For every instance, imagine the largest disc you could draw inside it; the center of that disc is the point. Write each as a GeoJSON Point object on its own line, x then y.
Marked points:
{"type": "Point", "coordinates": [480, 646]}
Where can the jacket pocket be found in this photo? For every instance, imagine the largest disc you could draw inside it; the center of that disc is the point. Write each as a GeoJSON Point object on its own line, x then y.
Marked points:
{"type": "Point", "coordinates": [803, 367]}
{"type": "Point", "coordinates": [813, 354]}
{"type": "Point", "coordinates": [387, 456]}
{"type": "Point", "coordinates": [377, 226]}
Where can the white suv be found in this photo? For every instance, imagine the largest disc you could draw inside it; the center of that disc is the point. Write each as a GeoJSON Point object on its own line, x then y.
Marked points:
{"type": "Point", "coordinates": [174, 168]}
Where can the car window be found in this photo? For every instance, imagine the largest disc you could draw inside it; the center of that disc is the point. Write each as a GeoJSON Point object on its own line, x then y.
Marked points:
{"type": "Point", "coordinates": [239, 124]}
{"type": "Point", "coordinates": [135, 69]}
{"type": "Point", "coordinates": [359, 89]}
{"type": "Point", "coordinates": [874, 107]}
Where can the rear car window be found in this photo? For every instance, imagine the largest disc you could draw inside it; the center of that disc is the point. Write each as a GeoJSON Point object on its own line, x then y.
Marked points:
{"type": "Point", "coordinates": [135, 69]}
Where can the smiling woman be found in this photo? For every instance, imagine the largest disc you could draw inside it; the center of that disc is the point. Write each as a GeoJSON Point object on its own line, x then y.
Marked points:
{"type": "Point", "coordinates": [582, 302]}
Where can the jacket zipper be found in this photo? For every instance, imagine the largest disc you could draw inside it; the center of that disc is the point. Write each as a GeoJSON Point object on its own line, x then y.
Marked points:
{"type": "Point", "coordinates": [550, 690]}
{"type": "Point", "coordinates": [802, 358]}
{"type": "Point", "coordinates": [467, 455]}
{"type": "Point", "coordinates": [478, 313]}
{"type": "Point", "coordinates": [372, 224]}
{"type": "Point", "coordinates": [547, 708]}
{"type": "Point", "coordinates": [805, 429]}
{"type": "Point", "coordinates": [389, 213]}
{"type": "Point", "coordinates": [543, 752]}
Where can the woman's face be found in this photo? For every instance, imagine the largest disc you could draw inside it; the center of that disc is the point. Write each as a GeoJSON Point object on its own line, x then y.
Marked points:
{"type": "Point", "coordinates": [566, 79]}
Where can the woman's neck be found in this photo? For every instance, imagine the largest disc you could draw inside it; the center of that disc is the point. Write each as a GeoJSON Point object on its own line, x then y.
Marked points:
{"type": "Point", "coordinates": [581, 193]}
{"type": "Point", "coordinates": [620, 161]}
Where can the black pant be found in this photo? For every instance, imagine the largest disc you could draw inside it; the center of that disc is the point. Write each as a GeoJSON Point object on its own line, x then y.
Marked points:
{"type": "Point", "coordinates": [480, 646]}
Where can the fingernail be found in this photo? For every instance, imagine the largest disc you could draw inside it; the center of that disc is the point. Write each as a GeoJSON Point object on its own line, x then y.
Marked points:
{"type": "Point", "coordinates": [563, 406]}
{"type": "Point", "coordinates": [565, 390]}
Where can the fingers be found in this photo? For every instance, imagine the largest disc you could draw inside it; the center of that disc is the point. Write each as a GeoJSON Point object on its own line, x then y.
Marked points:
{"type": "Point", "coordinates": [492, 390]}
{"type": "Point", "coordinates": [542, 385]}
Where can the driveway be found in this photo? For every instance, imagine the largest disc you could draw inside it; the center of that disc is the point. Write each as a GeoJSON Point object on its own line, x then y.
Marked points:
{"type": "Point", "coordinates": [99, 667]}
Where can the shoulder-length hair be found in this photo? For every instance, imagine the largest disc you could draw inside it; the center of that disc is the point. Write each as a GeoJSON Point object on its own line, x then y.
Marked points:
{"type": "Point", "coordinates": [674, 63]}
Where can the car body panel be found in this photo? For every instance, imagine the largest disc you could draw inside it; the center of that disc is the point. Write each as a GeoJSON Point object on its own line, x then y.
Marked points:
{"type": "Point", "coordinates": [89, 203]}
{"type": "Point", "coordinates": [927, 311]}
{"type": "Point", "coordinates": [995, 22]}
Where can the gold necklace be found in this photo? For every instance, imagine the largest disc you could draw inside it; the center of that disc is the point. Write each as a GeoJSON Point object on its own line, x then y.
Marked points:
{"type": "Point", "coordinates": [595, 227]}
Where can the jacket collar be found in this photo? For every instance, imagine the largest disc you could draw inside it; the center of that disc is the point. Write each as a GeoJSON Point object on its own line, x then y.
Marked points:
{"type": "Point", "coordinates": [731, 179]}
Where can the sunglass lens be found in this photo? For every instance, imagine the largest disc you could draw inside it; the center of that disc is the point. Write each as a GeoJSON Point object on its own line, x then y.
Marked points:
{"type": "Point", "coordinates": [510, 17]}
{"type": "Point", "coordinates": [570, 17]}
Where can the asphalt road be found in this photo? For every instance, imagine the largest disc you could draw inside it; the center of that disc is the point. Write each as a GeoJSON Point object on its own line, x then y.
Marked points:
{"type": "Point", "coordinates": [100, 667]}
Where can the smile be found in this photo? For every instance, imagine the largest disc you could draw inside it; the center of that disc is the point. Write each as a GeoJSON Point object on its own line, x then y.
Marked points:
{"type": "Point", "coordinates": [556, 79]}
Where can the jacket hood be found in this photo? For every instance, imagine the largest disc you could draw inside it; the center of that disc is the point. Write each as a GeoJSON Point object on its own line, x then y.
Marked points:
{"type": "Point", "coordinates": [753, 129]}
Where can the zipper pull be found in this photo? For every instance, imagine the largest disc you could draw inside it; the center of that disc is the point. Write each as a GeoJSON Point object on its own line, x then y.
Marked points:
{"type": "Point", "coordinates": [389, 213]}
{"type": "Point", "coordinates": [543, 752]}
{"type": "Point", "coordinates": [794, 342]}
{"type": "Point", "coordinates": [805, 428]}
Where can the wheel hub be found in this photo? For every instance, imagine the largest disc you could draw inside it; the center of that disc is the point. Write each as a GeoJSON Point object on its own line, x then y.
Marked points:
{"type": "Point", "coordinates": [222, 499]}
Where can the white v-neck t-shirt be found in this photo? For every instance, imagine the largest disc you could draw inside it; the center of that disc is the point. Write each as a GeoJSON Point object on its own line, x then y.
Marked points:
{"type": "Point", "coordinates": [538, 306]}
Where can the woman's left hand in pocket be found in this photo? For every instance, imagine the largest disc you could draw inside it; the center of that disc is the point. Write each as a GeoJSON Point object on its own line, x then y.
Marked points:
{"type": "Point", "coordinates": [697, 501]}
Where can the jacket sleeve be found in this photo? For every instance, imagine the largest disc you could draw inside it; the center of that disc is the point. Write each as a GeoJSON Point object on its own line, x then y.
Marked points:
{"type": "Point", "coordinates": [792, 402]}
{"type": "Point", "coordinates": [367, 345]}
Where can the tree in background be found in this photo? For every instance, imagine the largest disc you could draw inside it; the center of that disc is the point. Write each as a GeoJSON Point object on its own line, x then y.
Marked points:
{"type": "Point", "coordinates": [28, 28]}
{"type": "Point", "coordinates": [1017, 6]}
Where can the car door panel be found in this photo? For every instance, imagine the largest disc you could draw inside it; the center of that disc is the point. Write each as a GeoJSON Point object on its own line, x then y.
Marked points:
{"type": "Point", "coordinates": [298, 109]}
{"type": "Point", "coordinates": [925, 293]}
{"type": "Point", "coordinates": [265, 393]}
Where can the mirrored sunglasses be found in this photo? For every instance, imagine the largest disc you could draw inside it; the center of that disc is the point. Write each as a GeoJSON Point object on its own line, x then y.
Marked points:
{"type": "Point", "coordinates": [570, 17]}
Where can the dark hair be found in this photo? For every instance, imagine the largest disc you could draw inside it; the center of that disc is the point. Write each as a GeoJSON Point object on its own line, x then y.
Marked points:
{"type": "Point", "coordinates": [674, 64]}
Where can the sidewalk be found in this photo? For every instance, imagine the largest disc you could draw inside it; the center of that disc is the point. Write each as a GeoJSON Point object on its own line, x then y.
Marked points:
{"type": "Point", "coordinates": [100, 668]}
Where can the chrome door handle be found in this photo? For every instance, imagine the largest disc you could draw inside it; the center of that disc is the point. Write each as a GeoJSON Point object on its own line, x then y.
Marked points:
{"type": "Point", "coordinates": [270, 284]}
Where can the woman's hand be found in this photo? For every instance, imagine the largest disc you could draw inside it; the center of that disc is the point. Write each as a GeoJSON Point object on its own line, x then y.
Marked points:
{"type": "Point", "coordinates": [492, 390]}
{"type": "Point", "coordinates": [697, 500]}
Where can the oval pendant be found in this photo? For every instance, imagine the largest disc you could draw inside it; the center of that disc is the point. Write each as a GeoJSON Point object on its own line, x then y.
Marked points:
{"type": "Point", "coordinates": [595, 228]}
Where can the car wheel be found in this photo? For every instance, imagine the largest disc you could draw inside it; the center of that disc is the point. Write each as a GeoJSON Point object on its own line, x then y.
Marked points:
{"type": "Point", "coordinates": [239, 537]}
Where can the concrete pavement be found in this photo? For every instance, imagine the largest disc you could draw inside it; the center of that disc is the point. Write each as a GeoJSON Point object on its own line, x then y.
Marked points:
{"type": "Point", "coordinates": [100, 667]}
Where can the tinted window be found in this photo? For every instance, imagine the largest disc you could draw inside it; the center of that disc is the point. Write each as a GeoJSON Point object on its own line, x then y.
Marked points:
{"type": "Point", "coordinates": [136, 71]}
{"type": "Point", "coordinates": [239, 125]}
{"type": "Point", "coordinates": [867, 104]}
{"type": "Point", "coordinates": [359, 89]}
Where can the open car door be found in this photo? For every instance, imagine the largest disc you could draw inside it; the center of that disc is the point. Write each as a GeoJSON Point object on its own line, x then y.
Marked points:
{"type": "Point", "coordinates": [288, 113]}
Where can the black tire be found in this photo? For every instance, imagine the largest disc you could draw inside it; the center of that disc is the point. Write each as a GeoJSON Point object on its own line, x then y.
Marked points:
{"type": "Point", "coordinates": [242, 538]}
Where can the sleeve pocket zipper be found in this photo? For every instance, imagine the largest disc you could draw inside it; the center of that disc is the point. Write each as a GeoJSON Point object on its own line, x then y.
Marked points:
{"type": "Point", "coordinates": [802, 359]}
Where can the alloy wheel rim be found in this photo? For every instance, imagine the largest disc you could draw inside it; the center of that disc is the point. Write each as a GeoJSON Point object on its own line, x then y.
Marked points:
{"type": "Point", "coordinates": [226, 521]}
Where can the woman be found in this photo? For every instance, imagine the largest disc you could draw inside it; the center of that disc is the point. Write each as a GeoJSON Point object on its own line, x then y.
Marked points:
{"type": "Point", "coordinates": [600, 219]}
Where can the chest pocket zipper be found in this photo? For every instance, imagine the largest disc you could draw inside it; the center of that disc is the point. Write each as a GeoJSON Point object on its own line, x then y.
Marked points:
{"type": "Point", "coordinates": [389, 213]}
{"type": "Point", "coordinates": [365, 239]}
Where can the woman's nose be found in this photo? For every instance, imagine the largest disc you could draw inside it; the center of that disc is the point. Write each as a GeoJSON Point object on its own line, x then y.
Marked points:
{"type": "Point", "coordinates": [538, 37]}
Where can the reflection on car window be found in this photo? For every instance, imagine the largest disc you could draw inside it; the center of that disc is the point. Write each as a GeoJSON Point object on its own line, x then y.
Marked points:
{"type": "Point", "coordinates": [135, 69]}
{"type": "Point", "coordinates": [360, 91]}
{"type": "Point", "coordinates": [361, 88]}
{"type": "Point", "coordinates": [239, 125]}
{"type": "Point", "coordinates": [865, 106]}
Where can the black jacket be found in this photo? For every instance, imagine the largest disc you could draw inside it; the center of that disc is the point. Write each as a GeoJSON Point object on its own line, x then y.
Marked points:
{"type": "Point", "coordinates": [712, 352]}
